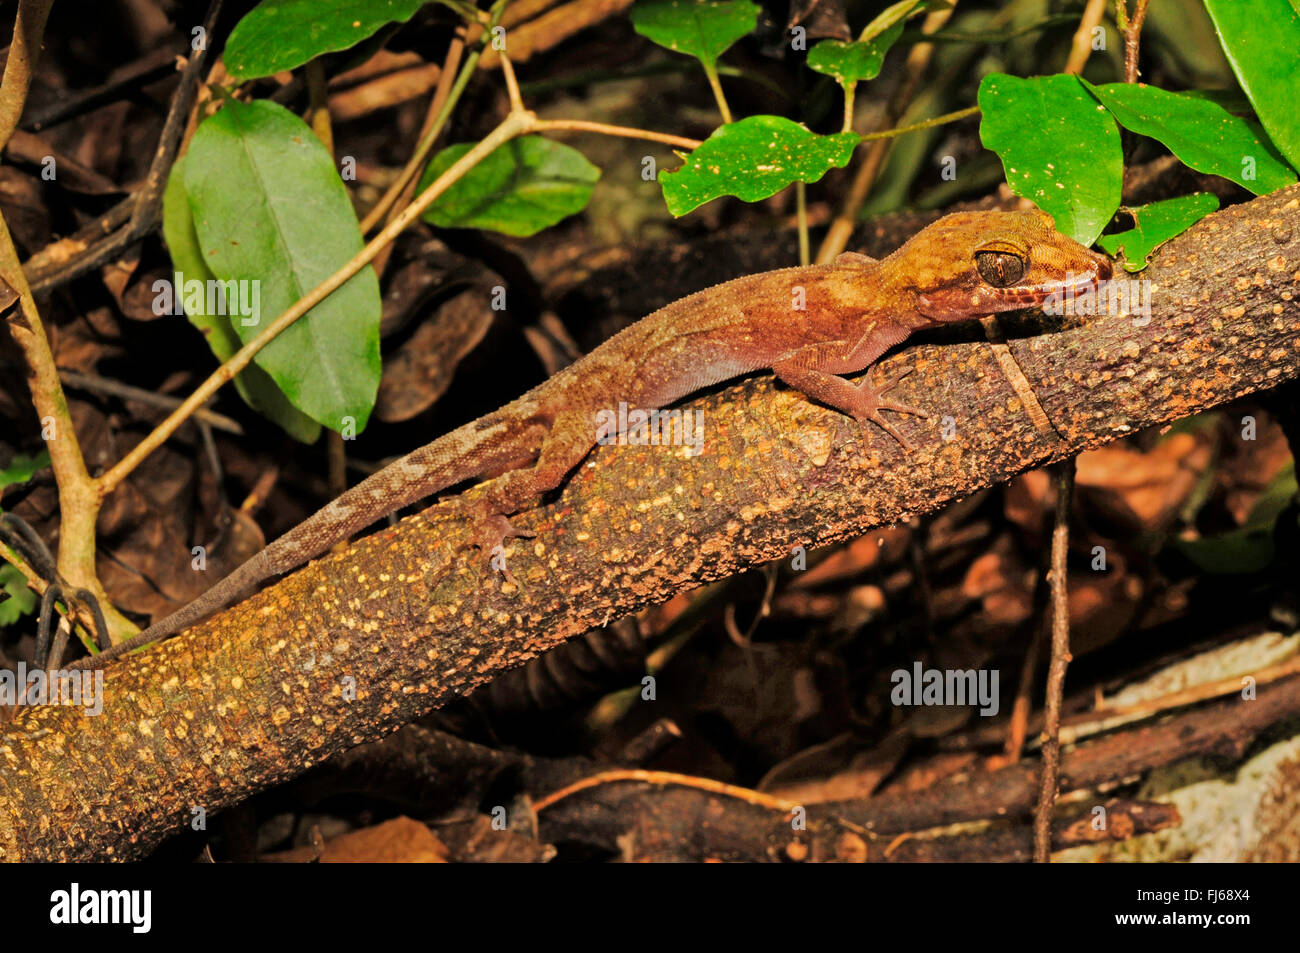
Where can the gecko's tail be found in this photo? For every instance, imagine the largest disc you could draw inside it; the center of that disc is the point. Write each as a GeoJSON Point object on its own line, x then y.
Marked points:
{"type": "Point", "coordinates": [491, 444]}
{"type": "Point", "coordinates": [231, 588]}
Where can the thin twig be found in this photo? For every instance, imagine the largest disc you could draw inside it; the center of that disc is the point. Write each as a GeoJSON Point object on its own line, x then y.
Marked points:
{"type": "Point", "coordinates": [29, 27]}
{"type": "Point", "coordinates": [512, 84]}
{"type": "Point", "coordinates": [1132, 36]}
{"type": "Point", "coordinates": [1060, 660]}
{"type": "Point", "coordinates": [664, 779]}
{"type": "Point", "coordinates": [104, 385]}
{"type": "Point", "coordinates": [1081, 44]}
{"type": "Point", "coordinates": [149, 69]}
{"type": "Point", "coordinates": [626, 132]}
{"type": "Point", "coordinates": [451, 83]}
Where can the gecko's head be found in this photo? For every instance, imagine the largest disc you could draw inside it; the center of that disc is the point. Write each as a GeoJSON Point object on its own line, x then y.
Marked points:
{"type": "Point", "coordinates": [975, 263]}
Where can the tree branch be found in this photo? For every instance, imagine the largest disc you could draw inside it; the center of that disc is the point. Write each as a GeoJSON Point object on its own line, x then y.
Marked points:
{"type": "Point", "coordinates": [366, 640]}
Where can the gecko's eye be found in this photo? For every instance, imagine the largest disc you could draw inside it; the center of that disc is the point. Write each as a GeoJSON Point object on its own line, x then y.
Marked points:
{"type": "Point", "coordinates": [1001, 269]}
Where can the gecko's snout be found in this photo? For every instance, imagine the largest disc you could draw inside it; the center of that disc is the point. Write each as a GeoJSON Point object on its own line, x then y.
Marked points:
{"type": "Point", "coordinates": [1105, 268]}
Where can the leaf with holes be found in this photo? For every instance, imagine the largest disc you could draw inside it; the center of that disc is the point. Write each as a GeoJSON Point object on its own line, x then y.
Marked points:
{"type": "Point", "coordinates": [1060, 149]}
{"type": "Point", "coordinates": [1155, 224]}
{"type": "Point", "coordinates": [283, 34]}
{"type": "Point", "coordinates": [851, 63]}
{"type": "Point", "coordinates": [704, 29]}
{"type": "Point", "coordinates": [1200, 132]}
{"type": "Point", "coordinates": [254, 385]}
{"type": "Point", "coordinates": [754, 159]}
{"type": "Point", "coordinates": [520, 187]}
{"type": "Point", "coordinates": [271, 212]}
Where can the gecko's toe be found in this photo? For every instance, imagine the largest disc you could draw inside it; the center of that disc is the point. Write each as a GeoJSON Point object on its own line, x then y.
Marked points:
{"type": "Point", "coordinates": [875, 417]}
{"type": "Point", "coordinates": [902, 408]}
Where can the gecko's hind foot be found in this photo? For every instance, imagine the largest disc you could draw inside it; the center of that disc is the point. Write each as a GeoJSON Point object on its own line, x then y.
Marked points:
{"type": "Point", "coordinates": [871, 404]}
{"type": "Point", "coordinates": [490, 533]}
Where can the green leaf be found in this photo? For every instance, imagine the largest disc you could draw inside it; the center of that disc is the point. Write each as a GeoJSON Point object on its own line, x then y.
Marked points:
{"type": "Point", "coordinates": [851, 63]}
{"type": "Point", "coordinates": [1250, 547]}
{"type": "Point", "coordinates": [254, 385]}
{"type": "Point", "coordinates": [1262, 42]}
{"type": "Point", "coordinates": [520, 188]}
{"type": "Point", "coordinates": [704, 29]}
{"type": "Point", "coordinates": [1155, 224]}
{"type": "Point", "coordinates": [21, 600]}
{"type": "Point", "coordinates": [1058, 147]}
{"type": "Point", "coordinates": [1200, 132]}
{"type": "Point", "coordinates": [18, 600]}
{"type": "Point", "coordinates": [282, 34]}
{"type": "Point", "coordinates": [753, 159]}
{"type": "Point", "coordinates": [269, 208]}
{"type": "Point", "coordinates": [22, 468]}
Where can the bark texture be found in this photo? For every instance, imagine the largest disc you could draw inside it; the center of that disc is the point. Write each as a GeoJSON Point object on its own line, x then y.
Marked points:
{"type": "Point", "coordinates": [361, 642]}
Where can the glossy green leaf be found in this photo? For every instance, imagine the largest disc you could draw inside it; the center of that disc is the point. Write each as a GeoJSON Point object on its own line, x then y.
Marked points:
{"type": "Point", "coordinates": [851, 63]}
{"type": "Point", "coordinates": [16, 599]}
{"type": "Point", "coordinates": [23, 467]}
{"type": "Point", "coordinates": [253, 384]}
{"type": "Point", "coordinates": [1250, 547]}
{"type": "Point", "coordinates": [1200, 132]}
{"type": "Point", "coordinates": [19, 600]}
{"type": "Point", "coordinates": [704, 29]}
{"type": "Point", "coordinates": [1155, 224]}
{"type": "Point", "coordinates": [282, 34]}
{"type": "Point", "coordinates": [1058, 147]}
{"type": "Point", "coordinates": [520, 188]}
{"type": "Point", "coordinates": [269, 208]}
{"type": "Point", "coordinates": [753, 159]}
{"type": "Point", "coordinates": [1262, 42]}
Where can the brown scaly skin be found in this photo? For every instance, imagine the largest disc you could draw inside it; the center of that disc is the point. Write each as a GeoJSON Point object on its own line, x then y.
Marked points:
{"type": "Point", "coordinates": [962, 267]}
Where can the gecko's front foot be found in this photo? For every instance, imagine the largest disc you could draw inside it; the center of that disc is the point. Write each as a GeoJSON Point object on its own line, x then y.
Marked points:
{"type": "Point", "coordinates": [870, 404]}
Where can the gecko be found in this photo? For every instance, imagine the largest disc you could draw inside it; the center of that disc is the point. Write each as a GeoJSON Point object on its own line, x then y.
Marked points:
{"type": "Point", "coordinates": [960, 268]}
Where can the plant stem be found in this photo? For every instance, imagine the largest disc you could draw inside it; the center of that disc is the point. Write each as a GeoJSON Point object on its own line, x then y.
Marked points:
{"type": "Point", "coordinates": [1081, 44]}
{"type": "Point", "coordinates": [626, 132]}
{"type": "Point", "coordinates": [29, 26]}
{"type": "Point", "coordinates": [711, 71]}
{"type": "Point", "coordinates": [801, 211]}
{"type": "Point", "coordinates": [1056, 669]}
{"type": "Point", "coordinates": [925, 124]}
